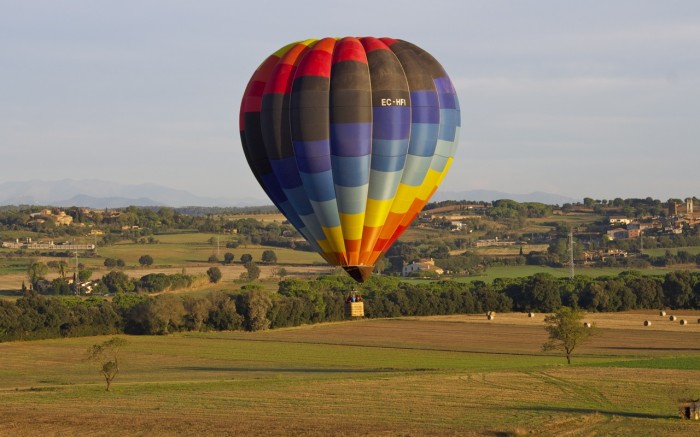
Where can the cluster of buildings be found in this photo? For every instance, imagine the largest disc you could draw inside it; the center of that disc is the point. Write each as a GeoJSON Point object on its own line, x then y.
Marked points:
{"type": "Point", "coordinates": [28, 244]}
{"type": "Point", "coordinates": [60, 218]}
{"type": "Point", "coordinates": [623, 228]}
{"type": "Point", "coordinates": [422, 265]}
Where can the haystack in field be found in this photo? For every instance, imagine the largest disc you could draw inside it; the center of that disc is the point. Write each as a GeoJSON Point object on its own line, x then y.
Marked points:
{"type": "Point", "coordinates": [689, 409]}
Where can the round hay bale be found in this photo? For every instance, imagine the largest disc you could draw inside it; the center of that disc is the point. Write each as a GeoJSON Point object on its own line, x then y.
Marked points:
{"type": "Point", "coordinates": [586, 324]}
{"type": "Point", "coordinates": [490, 316]}
{"type": "Point", "coordinates": [647, 323]}
{"type": "Point", "coordinates": [672, 318]}
{"type": "Point", "coordinates": [531, 314]}
{"type": "Point", "coordinates": [684, 322]}
{"type": "Point", "coordinates": [662, 313]}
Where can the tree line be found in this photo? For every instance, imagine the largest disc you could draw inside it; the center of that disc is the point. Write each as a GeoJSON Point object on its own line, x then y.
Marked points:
{"type": "Point", "coordinates": [298, 302]}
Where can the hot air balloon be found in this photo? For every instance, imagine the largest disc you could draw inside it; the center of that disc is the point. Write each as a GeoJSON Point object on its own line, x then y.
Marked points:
{"type": "Point", "coordinates": [350, 137]}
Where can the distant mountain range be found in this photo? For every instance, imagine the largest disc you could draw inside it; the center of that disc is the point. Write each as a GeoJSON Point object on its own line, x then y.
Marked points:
{"type": "Point", "coordinates": [93, 193]}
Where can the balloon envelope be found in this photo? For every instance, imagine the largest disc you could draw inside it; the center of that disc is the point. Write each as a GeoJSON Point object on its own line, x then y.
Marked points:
{"type": "Point", "coordinates": [350, 137]}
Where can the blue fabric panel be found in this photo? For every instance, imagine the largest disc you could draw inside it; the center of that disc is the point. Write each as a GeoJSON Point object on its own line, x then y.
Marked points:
{"type": "Point", "coordinates": [314, 164]}
{"type": "Point", "coordinates": [313, 225]}
{"type": "Point", "coordinates": [389, 147]}
{"type": "Point", "coordinates": [416, 169]}
{"type": "Point", "coordinates": [438, 163]}
{"type": "Point", "coordinates": [294, 219]}
{"type": "Point", "coordinates": [351, 139]}
{"type": "Point", "coordinates": [391, 122]}
{"type": "Point", "coordinates": [383, 185]}
{"type": "Point", "coordinates": [444, 85]}
{"type": "Point", "coordinates": [319, 187]}
{"type": "Point", "coordinates": [286, 172]}
{"type": "Point", "coordinates": [327, 213]}
{"type": "Point", "coordinates": [425, 114]}
{"type": "Point", "coordinates": [299, 200]}
{"type": "Point", "coordinates": [272, 186]}
{"type": "Point", "coordinates": [443, 148]}
{"type": "Point", "coordinates": [388, 163]}
{"type": "Point", "coordinates": [424, 98]}
{"type": "Point", "coordinates": [306, 149]}
{"type": "Point", "coordinates": [449, 120]}
{"type": "Point", "coordinates": [350, 171]}
{"type": "Point", "coordinates": [448, 101]}
{"type": "Point", "coordinates": [423, 139]}
{"type": "Point", "coordinates": [351, 200]}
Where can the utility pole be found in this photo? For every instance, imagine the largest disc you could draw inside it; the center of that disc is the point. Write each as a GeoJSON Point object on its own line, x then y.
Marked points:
{"type": "Point", "coordinates": [571, 255]}
{"type": "Point", "coordinates": [77, 273]}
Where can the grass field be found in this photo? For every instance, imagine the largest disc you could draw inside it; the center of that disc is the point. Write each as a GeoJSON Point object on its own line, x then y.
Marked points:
{"type": "Point", "coordinates": [452, 375]}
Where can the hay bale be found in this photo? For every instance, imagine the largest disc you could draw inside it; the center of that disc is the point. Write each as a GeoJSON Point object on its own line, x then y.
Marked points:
{"type": "Point", "coordinates": [672, 318]}
{"type": "Point", "coordinates": [586, 324]}
{"type": "Point", "coordinates": [531, 314]}
{"type": "Point", "coordinates": [684, 322]}
{"type": "Point", "coordinates": [490, 316]}
{"type": "Point", "coordinates": [662, 313]}
{"type": "Point", "coordinates": [647, 323]}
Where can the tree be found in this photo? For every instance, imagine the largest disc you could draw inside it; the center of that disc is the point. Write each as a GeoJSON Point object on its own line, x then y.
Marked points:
{"type": "Point", "coordinates": [566, 331]}
{"type": "Point", "coordinates": [269, 257]}
{"type": "Point", "coordinates": [36, 271]}
{"type": "Point", "coordinates": [214, 274]}
{"type": "Point", "coordinates": [118, 282]}
{"type": "Point", "coordinates": [228, 257]}
{"type": "Point", "coordinates": [246, 258]}
{"type": "Point", "coordinates": [84, 275]}
{"type": "Point", "coordinates": [213, 259]}
{"type": "Point", "coordinates": [106, 354]}
{"type": "Point", "coordinates": [252, 272]}
{"type": "Point", "coordinates": [146, 260]}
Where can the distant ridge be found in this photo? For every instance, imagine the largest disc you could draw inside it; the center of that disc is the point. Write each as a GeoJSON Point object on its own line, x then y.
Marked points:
{"type": "Point", "coordinates": [94, 193]}
{"type": "Point", "coordinates": [490, 196]}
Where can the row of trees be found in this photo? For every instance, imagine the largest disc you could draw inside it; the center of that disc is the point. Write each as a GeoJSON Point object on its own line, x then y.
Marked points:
{"type": "Point", "coordinates": [322, 300]}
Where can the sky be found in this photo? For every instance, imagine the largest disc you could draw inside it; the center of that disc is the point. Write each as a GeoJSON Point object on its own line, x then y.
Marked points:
{"type": "Point", "coordinates": [593, 99]}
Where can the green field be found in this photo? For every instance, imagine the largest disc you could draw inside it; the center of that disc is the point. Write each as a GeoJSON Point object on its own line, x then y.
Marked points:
{"type": "Point", "coordinates": [452, 375]}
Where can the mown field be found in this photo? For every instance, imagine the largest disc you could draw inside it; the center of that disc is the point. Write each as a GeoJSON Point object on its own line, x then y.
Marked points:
{"type": "Point", "coordinates": [454, 375]}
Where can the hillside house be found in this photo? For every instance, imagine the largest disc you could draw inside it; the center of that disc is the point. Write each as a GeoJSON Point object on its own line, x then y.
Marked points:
{"type": "Point", "coordinates": [424, 264]}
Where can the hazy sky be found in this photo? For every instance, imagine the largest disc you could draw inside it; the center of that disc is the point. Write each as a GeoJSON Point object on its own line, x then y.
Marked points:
{"type": "Point", "coordinates": [594, 98]}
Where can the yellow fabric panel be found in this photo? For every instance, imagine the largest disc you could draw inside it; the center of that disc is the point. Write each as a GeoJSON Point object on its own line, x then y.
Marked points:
{"type": "Point", "coordinates": [325, 246]}
{"type": "Point", "coordinates": [430, 181]}
{"type": "Point", "coordinates": [352, 225]}
{"type": "Point", "coordinates": [281, 52]}
{"type": "Point", "coordinates": [404, 198]}
{"type": "Point", "coordinates": [334, 236]}
{"type": "Point", "coordinates": [377, 211]}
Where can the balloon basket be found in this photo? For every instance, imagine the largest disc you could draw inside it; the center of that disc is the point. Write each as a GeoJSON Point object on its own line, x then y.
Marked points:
{"type": "Point", "coordinates": [354, 309]}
